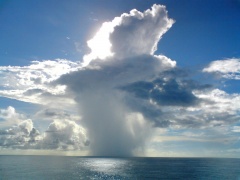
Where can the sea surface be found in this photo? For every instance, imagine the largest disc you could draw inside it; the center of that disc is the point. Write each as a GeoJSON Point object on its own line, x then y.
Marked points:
{"type": "Point", "coordinates": [54, 167]}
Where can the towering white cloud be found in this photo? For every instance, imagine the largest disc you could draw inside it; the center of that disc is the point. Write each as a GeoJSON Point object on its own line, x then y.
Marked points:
{"type": "Point", "coordinates": [114, 127]}
{"type": "Point", "coordinates": [139, 33]}
{"type": "Point", "coordinates": [132, 34]}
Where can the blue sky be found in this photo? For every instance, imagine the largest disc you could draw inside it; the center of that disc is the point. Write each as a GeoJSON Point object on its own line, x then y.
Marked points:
{"type": "Point", "coordinates": [59, 29]}
{"type": "Point", "coordinates": [210, 28]}
{"type": "Point", "coordinates": [188, 105]}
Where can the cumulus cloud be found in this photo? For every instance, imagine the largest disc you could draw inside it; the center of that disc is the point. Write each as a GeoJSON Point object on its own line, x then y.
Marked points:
{"type": "Point", "coordinates": [130, 34]}
{"type": "Point", "coordinates": [60, 135]}
{"type": "Point", "coordinates": [139, 33]}
{"type": "Point", "coordinates": [64, 135]}
{"type": "Point", "coordinates": [9, 117]}
{"type": "Point", "coordinates": [20, 136]}
{"type": "Point", "coordinates": [229, 68]}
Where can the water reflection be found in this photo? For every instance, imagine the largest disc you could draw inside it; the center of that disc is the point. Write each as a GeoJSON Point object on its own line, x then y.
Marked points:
{"type": "Point", "coordinates": [106, 167]}
{"type": "Point", "coordinates": [47, 167]}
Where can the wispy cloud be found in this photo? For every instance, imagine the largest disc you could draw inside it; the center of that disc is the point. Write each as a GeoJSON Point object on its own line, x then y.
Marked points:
{"type": "Point", "coordinates": [33, 83]}
{"type": "Point", "coordinates": [229, 68]}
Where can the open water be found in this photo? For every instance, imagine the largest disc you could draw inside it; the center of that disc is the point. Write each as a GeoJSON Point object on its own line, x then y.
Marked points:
{"type": "Point", "coordinates": [54, 167]}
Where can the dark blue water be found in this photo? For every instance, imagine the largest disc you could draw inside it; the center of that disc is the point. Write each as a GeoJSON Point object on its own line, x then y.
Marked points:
{"type": "Point", "coordinates": [52, 167]}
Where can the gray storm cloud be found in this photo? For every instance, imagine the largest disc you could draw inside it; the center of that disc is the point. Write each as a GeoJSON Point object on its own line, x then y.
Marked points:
{"type": "Point", "coordinates": [114, 127]}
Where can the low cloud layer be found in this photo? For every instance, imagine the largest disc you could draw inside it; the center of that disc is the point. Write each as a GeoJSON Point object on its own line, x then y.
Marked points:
{"type": "Point", "coordinates": [131, 34]}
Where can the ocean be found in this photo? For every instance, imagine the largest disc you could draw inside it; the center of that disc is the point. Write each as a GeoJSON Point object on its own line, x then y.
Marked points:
{"type": "Point", "coordinates": [55, 167]}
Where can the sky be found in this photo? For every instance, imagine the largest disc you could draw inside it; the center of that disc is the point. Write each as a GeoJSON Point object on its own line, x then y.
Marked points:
{"type": "Point", "coordinates": [113, 78]}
